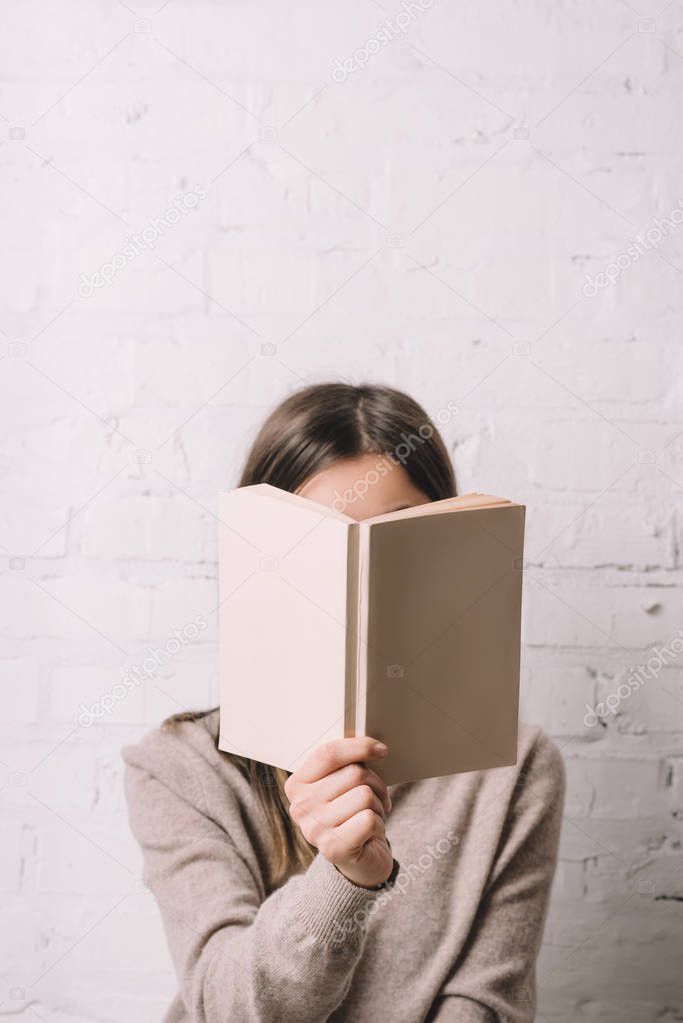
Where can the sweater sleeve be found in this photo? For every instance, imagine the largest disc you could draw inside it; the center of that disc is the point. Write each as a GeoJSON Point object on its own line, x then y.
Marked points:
{"type": "Point", "coordinates": [240, 955]}
{"type": "Point", "coordinates": [494, 979]}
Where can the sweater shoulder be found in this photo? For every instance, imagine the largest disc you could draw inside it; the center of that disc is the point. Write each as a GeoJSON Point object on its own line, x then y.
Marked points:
{"type": "Point", "coordinates": [536, 784]}
{"type": "Point", "coordinates": [539, 757]}
{"type": "Point", "coordinates": [183, 755]}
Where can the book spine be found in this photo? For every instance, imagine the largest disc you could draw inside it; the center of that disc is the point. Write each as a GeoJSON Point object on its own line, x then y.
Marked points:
{"type": "Point", "coordinates": [362, 629]}
{"type": "Point", "coordinates": [352, 634]}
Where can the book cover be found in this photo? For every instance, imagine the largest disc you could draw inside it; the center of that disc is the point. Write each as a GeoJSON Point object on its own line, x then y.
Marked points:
{"type": "Point", "coordinates": [405, 627]}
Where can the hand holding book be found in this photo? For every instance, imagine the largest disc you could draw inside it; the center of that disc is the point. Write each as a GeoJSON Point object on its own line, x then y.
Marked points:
{"type": "Point", "coordinates": [341, 807]}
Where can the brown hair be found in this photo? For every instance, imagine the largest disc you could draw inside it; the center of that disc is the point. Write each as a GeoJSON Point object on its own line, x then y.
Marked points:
{"type": "Point", "coordinates": [310, 430]}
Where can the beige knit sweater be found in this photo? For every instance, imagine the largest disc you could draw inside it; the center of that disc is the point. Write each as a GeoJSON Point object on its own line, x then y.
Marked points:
{"type": "Point", "coordinates": [455, 939]}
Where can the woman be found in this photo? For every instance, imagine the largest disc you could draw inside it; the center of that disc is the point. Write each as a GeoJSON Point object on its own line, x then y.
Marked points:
{"type": "Point", "coordinates": [281, 896]}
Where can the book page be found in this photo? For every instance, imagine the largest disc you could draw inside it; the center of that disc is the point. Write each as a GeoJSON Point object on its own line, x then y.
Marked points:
{"type": "Point", "coordinates": [448, 504]}
{"type": "Point", "coordinates": [443, 635]}
{"type": "Point", "coordinates": [282, 626]}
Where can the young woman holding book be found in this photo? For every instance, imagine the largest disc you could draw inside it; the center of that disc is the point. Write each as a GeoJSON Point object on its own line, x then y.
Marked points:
{"type": "Point", "coordinates": [321, 894]}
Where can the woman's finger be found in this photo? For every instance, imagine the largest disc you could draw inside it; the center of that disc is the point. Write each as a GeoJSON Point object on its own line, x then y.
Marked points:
{"type": "Point", "coordinates": [350, 777]}
{"type": "Point", "coordinates": [338, 753]}
{"type": "Point", "coordinates": [339, 810]}
{"type": "Point", "coordinates": [357, 830]}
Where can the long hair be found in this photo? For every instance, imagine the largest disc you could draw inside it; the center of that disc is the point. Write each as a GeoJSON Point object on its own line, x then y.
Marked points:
{"type": "Point", "coordinates": [307, 432]}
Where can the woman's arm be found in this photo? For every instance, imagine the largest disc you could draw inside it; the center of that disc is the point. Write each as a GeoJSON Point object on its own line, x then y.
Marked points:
{"type": "Point", "coordinates": [494, 980]}
{"type": "Point", "coordinates": [237, 955]}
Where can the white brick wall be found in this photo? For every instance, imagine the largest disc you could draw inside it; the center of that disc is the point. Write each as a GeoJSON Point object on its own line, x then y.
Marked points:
{"type": "Point", "coordinates": [568, 403]}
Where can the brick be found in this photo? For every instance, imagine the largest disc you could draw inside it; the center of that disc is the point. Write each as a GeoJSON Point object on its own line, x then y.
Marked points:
{"type": "Point", "coordinates": [21, 689]}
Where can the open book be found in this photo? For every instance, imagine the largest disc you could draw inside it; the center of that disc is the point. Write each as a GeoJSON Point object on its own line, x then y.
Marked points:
{"type": "Point", "coordinates": [405, 627]}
